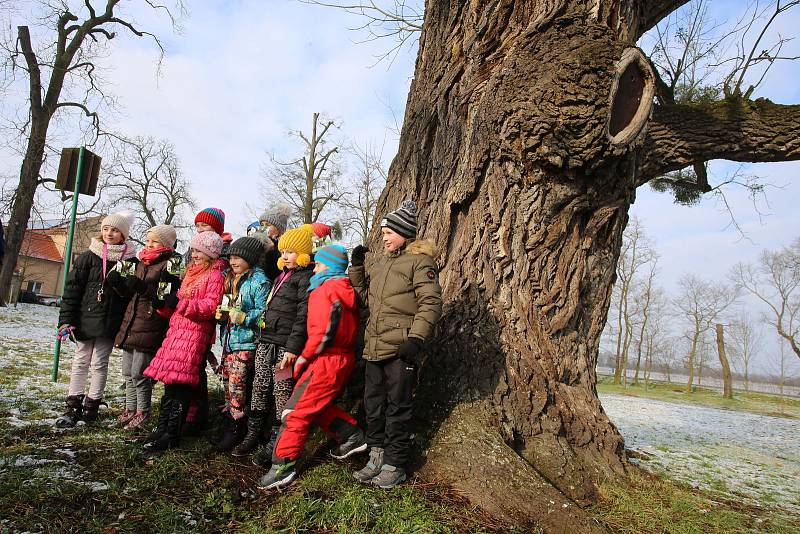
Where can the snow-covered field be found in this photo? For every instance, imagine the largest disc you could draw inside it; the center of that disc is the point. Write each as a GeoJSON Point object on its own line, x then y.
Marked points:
{"type": "Point", "coordinates": [739, 455]}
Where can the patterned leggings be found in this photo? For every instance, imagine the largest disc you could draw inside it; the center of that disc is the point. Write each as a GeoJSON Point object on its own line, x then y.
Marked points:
{"type": "Point", "coordinates": [265, 386]}
{"type": "Point", "coordinates": [237, 368]}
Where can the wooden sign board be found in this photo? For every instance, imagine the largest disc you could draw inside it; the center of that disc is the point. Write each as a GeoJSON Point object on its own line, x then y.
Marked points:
{"type": "Point", "coordinates": [67, 171]}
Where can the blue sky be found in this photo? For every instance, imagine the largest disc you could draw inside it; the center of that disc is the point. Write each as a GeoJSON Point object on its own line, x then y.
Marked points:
{"type": "Point", "coordinates": [242, 73]}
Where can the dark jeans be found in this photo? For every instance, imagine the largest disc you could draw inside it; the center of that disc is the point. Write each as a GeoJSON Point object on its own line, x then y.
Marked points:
{"type": "Point", "coordinates": [388, 403]}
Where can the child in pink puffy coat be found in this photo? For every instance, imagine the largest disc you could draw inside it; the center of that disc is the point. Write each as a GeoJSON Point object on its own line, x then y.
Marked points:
{"type": "Point", "coordinates": [191, 329]}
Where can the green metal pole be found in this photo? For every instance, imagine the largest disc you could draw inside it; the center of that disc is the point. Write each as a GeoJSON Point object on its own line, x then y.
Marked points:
{"type": "Point", "coordinates": [68, 252]}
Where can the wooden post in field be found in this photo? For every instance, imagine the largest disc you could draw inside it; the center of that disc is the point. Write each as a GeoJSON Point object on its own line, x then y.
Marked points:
{"type": "Point", "coordinates": [727, 380]}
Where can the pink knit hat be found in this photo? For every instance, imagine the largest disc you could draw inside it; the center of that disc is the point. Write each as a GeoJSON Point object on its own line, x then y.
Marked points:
{"type": "Point", "coordinates": [209, 243]}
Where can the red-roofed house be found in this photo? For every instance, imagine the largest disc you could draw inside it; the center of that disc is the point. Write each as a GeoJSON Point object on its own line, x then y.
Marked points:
{"type": "Point", "coordinates": [40, 266]}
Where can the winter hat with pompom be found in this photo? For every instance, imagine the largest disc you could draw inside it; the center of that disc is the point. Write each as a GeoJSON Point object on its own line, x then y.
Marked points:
{"type": "Point", "coordinates": [214, 217]}
{"type": "Point", "coordinates": [209, 243]}
{"type": "Point", "coordinates": [297, 240]}
{"type": "Point", "coordinates": [165, 233]}
{"type": "Point", "coordinates": [403, 220]}
{"type": "Point", "coordinates": [277, 215]}
{"type": "Point", "coordinates": [122, 221]}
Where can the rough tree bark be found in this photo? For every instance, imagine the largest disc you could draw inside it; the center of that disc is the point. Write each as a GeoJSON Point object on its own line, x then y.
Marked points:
{"type": "Point", "coordinates": [727, 379]}
{"type": "Point", "coordinates": [507, 148]}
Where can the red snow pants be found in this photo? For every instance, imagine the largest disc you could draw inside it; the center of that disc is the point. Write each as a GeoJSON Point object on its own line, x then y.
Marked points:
{"type": "Point", "coordinates": [312, 403]}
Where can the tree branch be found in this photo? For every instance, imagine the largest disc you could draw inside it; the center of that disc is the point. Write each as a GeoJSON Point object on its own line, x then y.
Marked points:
{"type": "Point", "coordinates": [734, 129]}
{"type": "Point", "coordinates": [651, 12]}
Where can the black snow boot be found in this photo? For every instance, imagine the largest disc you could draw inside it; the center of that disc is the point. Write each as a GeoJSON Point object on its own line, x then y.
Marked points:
{"type": "Point", "coordinates": [232, 433]}
{"type": "Point", "coordinates": [171, 438]}
{"type": "Point", "coordinates": [163, 418]}
{"type": "Point", "coordinates": [73, 414]}
{"type": "Point", "coordinates": [264, 458]}
{"type": "Point", "coordinates": [255, 423]}
{"type": "Point", "coordinates": [91, 407]}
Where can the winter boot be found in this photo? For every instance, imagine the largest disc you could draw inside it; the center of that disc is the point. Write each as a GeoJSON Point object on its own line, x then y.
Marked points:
{"type": "Point", "coordinates": [255, 424]}
{"type": "Point", "coordinates": [264, 458]}
{"type": "Point", "coordinates": [163, 418]}
{"type": "Point", "coordinates": [91, 407]}
{"type": "Point", "coordinates": [137, 420]}
{"type": "Point", "coordinates": [389, 477]}
{"type": "Point", "coordinates": [232, 433]}
{"type": "Point", "coordinates": [279, 476]}
{"type": "Point", "coordinates": [373, 467]}
{"type": "Point", "coordinates": [73, 414]}
{"type": "Point", "coordinates": [125, 417]}
{"type": "Point", "coordinates": [171, 438]}
{"type": "Point", "coordinates": [354, 444]}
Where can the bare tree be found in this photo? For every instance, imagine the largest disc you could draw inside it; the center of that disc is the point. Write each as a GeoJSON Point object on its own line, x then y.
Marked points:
{"type": "Point", "coordinates": [64, 60]}
{"type": "Point", "coordinates": [727, 379]}
{"type": "Point", "coordinates": [145, 173]}
{"type": "Point", "coordinates": [644, 295]}
{"type": "Point", "coordinates": [360, 201]}
{"type": "Point", "coordinates": [528, 127]}
{"type": "Point", "coordinates": [701, 303]}
{"type": "Point", "coordinates": [312, 182]}
{"type": "Point", "coordinates": [775, 281]}
{"type": "Point", "coordinates": [637, 251]}
{"type": "Point", "coordinates": [745, 342]}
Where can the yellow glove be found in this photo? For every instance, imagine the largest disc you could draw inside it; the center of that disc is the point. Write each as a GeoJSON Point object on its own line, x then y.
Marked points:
{"type": "Point", "coordinates": [237, 316]}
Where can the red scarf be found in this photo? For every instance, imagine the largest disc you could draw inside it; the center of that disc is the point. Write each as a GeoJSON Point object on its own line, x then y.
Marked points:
{"type": "Point", "coordinates": [149, 255]}
{"type": "Point", "coordinates": [194, 274]}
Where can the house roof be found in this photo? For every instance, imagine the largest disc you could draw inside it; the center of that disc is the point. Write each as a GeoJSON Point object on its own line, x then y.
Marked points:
{"type": "Point", "coordinates": [38, 245]}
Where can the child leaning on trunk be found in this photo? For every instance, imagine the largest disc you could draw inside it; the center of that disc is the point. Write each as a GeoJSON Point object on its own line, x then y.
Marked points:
{"type": "Point", "coordinates": [91, 312]}
{"type": "Point", "coordinates": [143, 327]}
{"type": "Point", "coordinates": [248, 287]}
{"type": "Point", "coordinates": [182, 355]}
{"type": "Point", "coordinates": [283, 335]}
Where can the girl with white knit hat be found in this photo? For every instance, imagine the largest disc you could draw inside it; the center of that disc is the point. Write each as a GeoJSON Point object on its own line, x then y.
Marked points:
{"type": "Point", "coordinates": [91, 313]}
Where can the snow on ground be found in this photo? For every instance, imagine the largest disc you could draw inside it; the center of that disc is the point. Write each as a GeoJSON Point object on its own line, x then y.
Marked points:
{"type": "Point", "coordinates": [739, 455]}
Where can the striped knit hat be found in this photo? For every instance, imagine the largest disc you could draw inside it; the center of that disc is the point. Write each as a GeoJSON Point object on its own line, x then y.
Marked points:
{"type": "Point", "coordinates": [403, 220]}
{"type": "Point", "coordinates": [214, 217]}
{"type": "Point", "coordinates": [334, 256]}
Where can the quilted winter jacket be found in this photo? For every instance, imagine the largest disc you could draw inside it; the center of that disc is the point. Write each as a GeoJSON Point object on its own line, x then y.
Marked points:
{"type": "Point", "coordinates": [285, 317]}
{"type": "Point", "coordinates": [79, 305]}
{"type": "Point", "coordinates": [142, 328]}
{"type": "Point", "coordinates": [332, 319]}
{"type": "Point", "coordinates": [404, 298]}
{"type": "Point", "coordinates": [190, 333]}
{"type": "Point", "coordinates": [253, 290]}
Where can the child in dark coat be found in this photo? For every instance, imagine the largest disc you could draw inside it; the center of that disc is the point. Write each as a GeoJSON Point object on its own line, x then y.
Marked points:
{"type": "Point", "coordinates": [321, 370]}
{"type": "Point", "coordinates": [283, 332]}
{"type": "Point", "coordinates": [91, 312]}
{"type": "Point", "coordinates": [143, 328]}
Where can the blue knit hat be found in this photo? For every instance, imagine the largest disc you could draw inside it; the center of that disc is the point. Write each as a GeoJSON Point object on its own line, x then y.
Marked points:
{"type": "Point", "coordinates": [335, 257]}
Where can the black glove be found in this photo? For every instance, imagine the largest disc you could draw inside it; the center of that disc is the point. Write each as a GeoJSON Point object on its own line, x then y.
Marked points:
{"type": "Point", "coordinates": [170, 301]}
{"type": "Point", "coordinates": [409, 351]}
{"type": "Point", "coordinates": [134, 284]}
{"type": "Point", "coordinates": [169, 278]}
{"type": "Point", "coordinates": [358, 256]}
{"type": "Point", "coordinates": [114, 279]}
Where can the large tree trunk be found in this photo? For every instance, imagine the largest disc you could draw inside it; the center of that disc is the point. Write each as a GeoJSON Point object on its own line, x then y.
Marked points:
{"type": "Point", "coordinates": [524, 177]}
{"type": "Point", "coordinates": [505, 147]}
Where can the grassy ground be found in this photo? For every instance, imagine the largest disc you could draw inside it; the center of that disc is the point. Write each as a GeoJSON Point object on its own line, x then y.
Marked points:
{"type": "Point", "coordinates": [760, 403]}
{"type": "Point", "coordinates": [97, 479]}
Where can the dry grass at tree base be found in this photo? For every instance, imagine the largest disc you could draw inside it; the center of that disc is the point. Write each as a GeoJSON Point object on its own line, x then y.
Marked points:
{"type": "Point", "coordinates": [97, 479]}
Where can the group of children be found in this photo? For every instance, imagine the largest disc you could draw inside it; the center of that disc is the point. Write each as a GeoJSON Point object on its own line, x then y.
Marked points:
{"type": "Point", "coordinates": [288, 305]}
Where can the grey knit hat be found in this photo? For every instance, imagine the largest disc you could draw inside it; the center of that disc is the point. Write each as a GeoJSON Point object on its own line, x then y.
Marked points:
{"type": "Point", "coordinates": [249, 249]}
{"type": "Point", "coordinates": [403, 220]}
{"type": "Point", "coordinates": [122, 221]}
{"type": "Point", "coordinates": [165, 233]}
{"type": "Point", "coordinates": [277, 215]}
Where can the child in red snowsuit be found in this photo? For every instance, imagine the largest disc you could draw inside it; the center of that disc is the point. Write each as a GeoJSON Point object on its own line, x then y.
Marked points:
{"type": "Point", "coordinates": [321, 370]}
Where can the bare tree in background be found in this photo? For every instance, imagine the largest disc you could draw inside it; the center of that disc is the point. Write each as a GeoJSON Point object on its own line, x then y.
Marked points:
{"type": "Point", "coordinates": [145, 174]}
{"type": "Point", "coordinates": [361, 199]}
{"type": "Point", "coordinates": [312, 182]}
{"type": "Point", "coordinates": [60, 74]}
{"type": "Point", "coordinates": [637, 251]}
{"type": "Point", "coordinates": [701, 304]}
{"type": "Point", "coordinates": [775, 281]}
{"type": "Point", "coordinates": [643, 298]}
{"type": "Point", "coordinates": [745, 342]}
